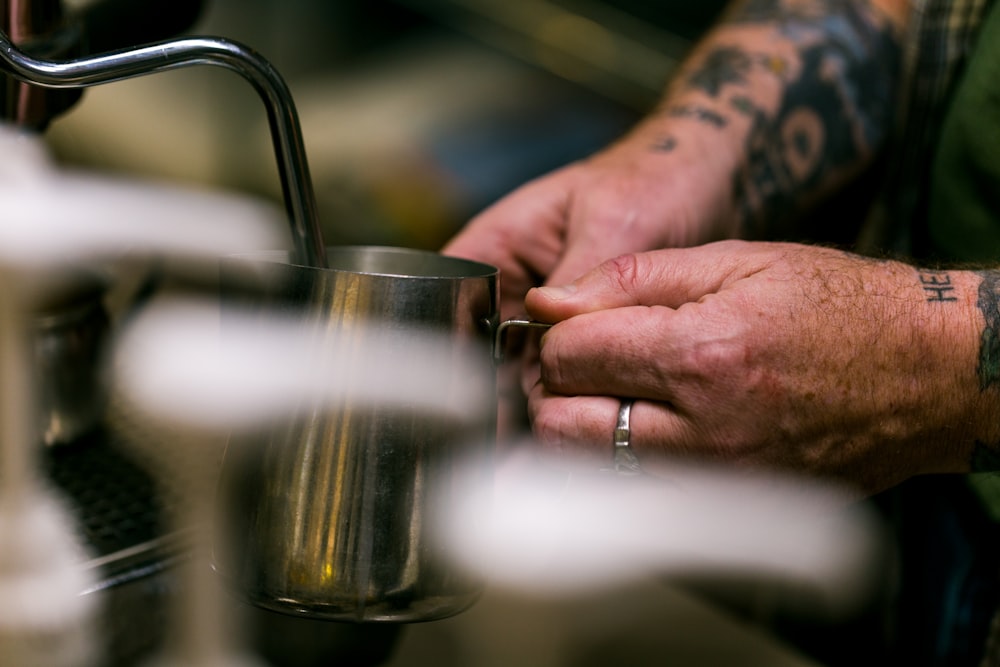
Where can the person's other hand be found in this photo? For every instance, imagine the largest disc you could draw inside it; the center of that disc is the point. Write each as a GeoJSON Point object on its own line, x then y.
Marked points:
{"type": "Point", "coordinates": [765, 356]}
{"type": "Point", "coordinates": [634, 196]}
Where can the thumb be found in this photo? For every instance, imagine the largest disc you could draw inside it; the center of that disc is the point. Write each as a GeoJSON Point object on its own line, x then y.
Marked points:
{"type": "Point", "coordinates": [579, 258]}
{"type": "Point", "coordinates": [669, 277]}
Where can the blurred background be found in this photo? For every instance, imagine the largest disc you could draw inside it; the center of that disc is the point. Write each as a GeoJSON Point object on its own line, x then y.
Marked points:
{"type": "Point", "coordinates": [416, 113]}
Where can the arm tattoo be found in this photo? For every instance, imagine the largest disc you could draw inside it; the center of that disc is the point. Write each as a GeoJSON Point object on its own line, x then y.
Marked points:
{"type": "Point", "coordinates": [722, 66]}
{"type": "Point", "coordinates": [699, 113]}
{"type": "Point", "coordinates": [744, 105]}
{"type": "Point", "coordinates": [832, 116]}
{"type": "Point", "coordinates": [986, 457]}
{"type": "Point", "coordinates": [664, 144]}
{"type": "Point", "coordinates": [989, 342]}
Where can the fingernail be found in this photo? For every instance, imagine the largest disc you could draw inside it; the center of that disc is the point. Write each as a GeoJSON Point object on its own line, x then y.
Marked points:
{"type": "Point", "coordinates": [558, 293]}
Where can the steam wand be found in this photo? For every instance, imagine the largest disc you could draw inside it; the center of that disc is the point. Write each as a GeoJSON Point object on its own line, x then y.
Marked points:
{"type": "Point", "coordinates": [286, 134]}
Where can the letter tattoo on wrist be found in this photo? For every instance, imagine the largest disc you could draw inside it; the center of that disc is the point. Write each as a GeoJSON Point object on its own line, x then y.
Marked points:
{"type": "Point", "coordinates": [937, 285]}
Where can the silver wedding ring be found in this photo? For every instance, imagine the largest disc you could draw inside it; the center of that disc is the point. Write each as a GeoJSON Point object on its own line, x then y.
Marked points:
{"type": "Point", "coordinates": [625, 462]}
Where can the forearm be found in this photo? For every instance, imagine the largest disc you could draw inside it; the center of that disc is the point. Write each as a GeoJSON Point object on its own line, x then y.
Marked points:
{"type": "Point", "coordinates": [780, 104]}
{"type": "Point", "coordinates": [946, 333]}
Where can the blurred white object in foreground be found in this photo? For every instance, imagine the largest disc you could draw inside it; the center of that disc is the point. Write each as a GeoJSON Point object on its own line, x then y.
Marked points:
{"type": "Point", "coordinates": [52, 217]}
{"type": "Point", "coordinates": [52, 222]}
{"type": "Point", "coordinates": [546, 532]}
{"type": "Point", "coordinates": [45, 620]}
{"type": "Point", "coordinates": [184, 362]}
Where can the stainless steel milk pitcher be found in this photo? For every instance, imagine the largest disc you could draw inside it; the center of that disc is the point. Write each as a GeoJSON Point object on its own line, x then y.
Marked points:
{"type": "Point", "coordinates": [331, 516]}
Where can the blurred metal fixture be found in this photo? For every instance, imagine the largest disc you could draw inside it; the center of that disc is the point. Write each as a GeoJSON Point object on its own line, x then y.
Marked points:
{"type": "Point", "coordinates": [69, 334]}
{"type": "Point", "coordinates": [174, 54]}
{"type": "Point", "coordinates": [606, 50]}
{"type": "Point", "coordinates": [59, 29]}
{"type": "Point", "coordinates": [39, 27]}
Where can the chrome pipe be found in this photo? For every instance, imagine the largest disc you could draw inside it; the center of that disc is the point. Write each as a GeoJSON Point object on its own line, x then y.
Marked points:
{"type": "Point", "coordinates": [286, 134]}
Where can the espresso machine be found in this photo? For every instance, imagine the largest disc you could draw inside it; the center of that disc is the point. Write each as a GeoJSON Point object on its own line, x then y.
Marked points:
{"type": "Point", "coordinates": [48, 30]}
{"type": "Point", "coordinates": [51, 52]}
{"type": "Point", "coordinates": [71, 321]}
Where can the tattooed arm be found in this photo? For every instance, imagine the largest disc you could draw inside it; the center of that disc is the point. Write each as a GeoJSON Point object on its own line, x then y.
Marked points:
{"type": "Point", "coordinates": [779, 104]}
{"type": "Point", "coordinates": [804, 92]}
{"type": "Point", "coordinates": [767, 355]}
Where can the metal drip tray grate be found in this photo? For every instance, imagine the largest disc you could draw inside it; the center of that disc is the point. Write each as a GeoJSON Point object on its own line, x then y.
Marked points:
{"type": "Point", "coordinates": [119, 510]}
{"type": "Point", "coordinates": [116, 500]}
{"type": "Point", "coordinates": [122, 514]}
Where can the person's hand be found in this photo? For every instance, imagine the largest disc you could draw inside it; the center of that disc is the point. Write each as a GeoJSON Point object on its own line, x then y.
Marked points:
{"type": "Point", "coordinates": [631, 197]}
{"type": "Point", "coordinates": [766, 356]}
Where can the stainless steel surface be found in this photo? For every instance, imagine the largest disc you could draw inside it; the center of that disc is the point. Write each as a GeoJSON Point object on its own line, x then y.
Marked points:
{"type": "Point", "coordinates": [289, 149]}
{"type": "Point", "coordinates": [332, 516]}
{"type": "Point", "coordinates": [69, 334]}
{"type": "Point", "coordinates": [118, 509]}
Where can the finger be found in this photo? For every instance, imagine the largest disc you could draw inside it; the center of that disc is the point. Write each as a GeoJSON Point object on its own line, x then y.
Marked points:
{"type": "Point", "coordinates": [669, 277]}
{"type": "Point", "coordinates": [616, 209]}
{"type": "Point", "coordinates": [522, 235]}
{"type": "Point", "coordinates": [512, 416]}
{"type": "Point", "coordinates": [483, 244]}
{"type": "Point", "coordinates": [531, 369]}
{"type": "Point", "coordinates": [639, 351]}
{"type": "Point", "coordinates": [580, 430]}
{"type": "Point", "coordinates": [594, 244]}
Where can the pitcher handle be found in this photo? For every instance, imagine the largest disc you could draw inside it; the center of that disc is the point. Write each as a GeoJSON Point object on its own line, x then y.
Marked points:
{"type": "Point", "coordinates": [500, 337]}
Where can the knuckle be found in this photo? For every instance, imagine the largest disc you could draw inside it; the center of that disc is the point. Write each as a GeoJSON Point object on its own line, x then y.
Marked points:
{"type": "Point", "coordinates": [554, 360]}
{"type": "Point", "coordinates": [546, 423]}
{"type": "Point", "coordinates": [561, 426]}
{"type": "Point", "coordinates": [715, 360]}
{"type": "Point", "coordinates": [624, 271]}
